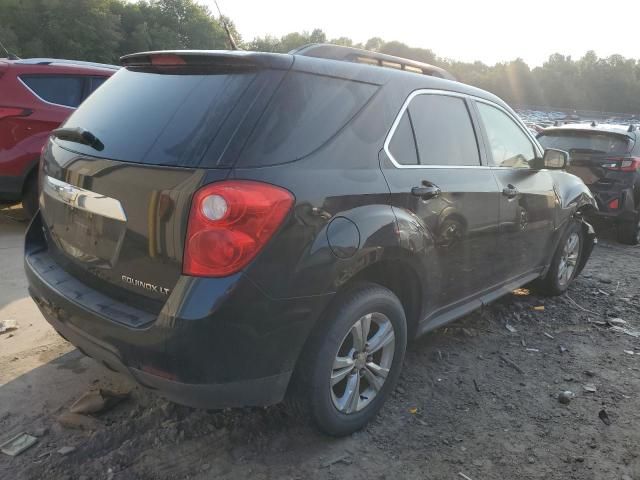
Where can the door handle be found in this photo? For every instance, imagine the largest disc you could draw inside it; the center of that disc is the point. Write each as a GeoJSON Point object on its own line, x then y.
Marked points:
{"type": "Point", "coordinates": [426, 191]}
{"type": "Point", "coordinates": [510, 191]}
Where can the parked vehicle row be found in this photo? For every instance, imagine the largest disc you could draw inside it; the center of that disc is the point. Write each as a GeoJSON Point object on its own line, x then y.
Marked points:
{"type": "Point", "coordinates": [284, 224]}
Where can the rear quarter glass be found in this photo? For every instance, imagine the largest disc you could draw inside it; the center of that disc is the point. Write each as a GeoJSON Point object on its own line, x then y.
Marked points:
{"type": "Point", "coordinates": [164, 119]}
{"type": "Point", "coordinates": [305, 112]}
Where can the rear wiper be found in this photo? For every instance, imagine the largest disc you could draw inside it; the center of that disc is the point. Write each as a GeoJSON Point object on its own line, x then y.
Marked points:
{"type": "Point", "coordinates": [78, 135]}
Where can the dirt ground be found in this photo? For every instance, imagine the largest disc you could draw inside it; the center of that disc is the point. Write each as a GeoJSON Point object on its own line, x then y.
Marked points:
{"type": "Point", "coordinates": [476, 400]}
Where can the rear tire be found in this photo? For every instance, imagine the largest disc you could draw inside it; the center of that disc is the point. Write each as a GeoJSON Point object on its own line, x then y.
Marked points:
{"type": "Point", "coordinates": [629, 232]}
{"type": "Point", "coordinates": [565, 263]}
{"type": "Point", "coordinates": [30, 196]}
{"type": "Point", "coordinates": [355, 360]}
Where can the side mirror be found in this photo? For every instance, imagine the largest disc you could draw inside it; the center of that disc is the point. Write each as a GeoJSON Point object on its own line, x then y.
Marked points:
{"type": "Point", "coordinates": [555, 159]}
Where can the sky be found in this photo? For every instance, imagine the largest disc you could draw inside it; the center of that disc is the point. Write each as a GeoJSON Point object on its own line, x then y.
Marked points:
{"type": "Point", "coordinates": [487, 30]}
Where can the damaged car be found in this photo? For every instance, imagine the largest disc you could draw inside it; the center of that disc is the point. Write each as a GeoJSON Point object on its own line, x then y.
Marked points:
{"type": "Point", "coordinates": [230, 228]}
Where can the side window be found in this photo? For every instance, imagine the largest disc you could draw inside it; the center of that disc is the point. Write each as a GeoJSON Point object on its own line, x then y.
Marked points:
{"type": "Point", "coordinates": [59, 89]}
{"type": "Point", "coordinates": [402, 145]}
{"type": "Point", "coordinates": [444, 132]}
{"type": "Point", "coordinates": [95, 82]}
{"type": "Point", "coordinates": [510, 147]}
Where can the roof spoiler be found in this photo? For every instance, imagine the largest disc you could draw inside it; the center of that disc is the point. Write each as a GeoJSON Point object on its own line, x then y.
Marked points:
{"type": "Point", "coordinates": [357, 55]}
{"type": "Point", "coordinates": [207, 59]}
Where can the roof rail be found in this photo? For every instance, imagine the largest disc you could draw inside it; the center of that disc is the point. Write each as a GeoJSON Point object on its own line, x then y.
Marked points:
{"type": "Point", "coordinates": [60, 61]}
{"type": "Point", "coordinates": [357, 55]}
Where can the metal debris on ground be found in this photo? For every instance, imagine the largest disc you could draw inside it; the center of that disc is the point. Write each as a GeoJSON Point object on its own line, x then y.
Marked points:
{"type": "Point", "coordinates": [548, 335]}
{"type": "Point", "coordinates": [589, 388]}
{"type": "Point", "coordinates": [18, 444]}
{"type": "Point", "coordinates": [339, 459]}
{"type": "Point", "coordinates": [511, 363]}
{"type": "Point", "coordinates": [626, 331]}
{"type": "Point", "coordinates": [66, 450]}
{"type": "Point", "coordinates": [616, 321]}
{"type": "Point", "coordinates": [629, 352]}
{"type": "Point", "coordinates": [604, 416]}
{"type": "Point", "coordinates": [510, 327]}
{"type": "Point", "coordinates": [535, 350]}
{"type": "Point", "coordinates": [539, 308]}
{"type": "Point", "coordinates": [565, 397]}
{"type": "Point", "coordinates": [464, 476]}
{"type": "Point", "coordinates": [7, 325]}
{"type": "Point", "coordinates": [97, 401]}
{"type": "Point", "coordinates": [567, 297]}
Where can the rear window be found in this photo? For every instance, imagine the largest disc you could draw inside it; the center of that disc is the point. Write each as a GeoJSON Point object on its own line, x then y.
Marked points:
{"type": "Point", "coordinates": [586, 142]}
{"type": "Point", "coordinates": [305, 112]}
{"type": "Point", "coordinates": [59, 89]}
{"type": "Point", "coordinates": [161, 119]}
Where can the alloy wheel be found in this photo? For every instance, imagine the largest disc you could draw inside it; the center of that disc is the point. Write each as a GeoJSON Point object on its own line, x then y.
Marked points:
{"type": "Point", "coordinates": [569, 259]}
{"type": "Point", "coordinates": [362, 363]}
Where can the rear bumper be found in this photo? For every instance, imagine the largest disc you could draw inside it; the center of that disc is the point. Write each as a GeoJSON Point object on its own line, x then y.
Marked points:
{"type": "Point", "coordinates": [253, 392]}
{"type": "Point", "coordinates": [626, 210]}
{"type": "Point", "coordinates": [216, 343]}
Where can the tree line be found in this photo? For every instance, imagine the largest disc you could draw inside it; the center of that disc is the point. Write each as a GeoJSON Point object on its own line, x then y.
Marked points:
{"type": "Point", "coordinates": [103, 30]}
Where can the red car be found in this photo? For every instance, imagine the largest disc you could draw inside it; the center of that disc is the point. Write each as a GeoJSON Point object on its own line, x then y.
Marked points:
{"type": "Point", "coordinates": [37, 95]}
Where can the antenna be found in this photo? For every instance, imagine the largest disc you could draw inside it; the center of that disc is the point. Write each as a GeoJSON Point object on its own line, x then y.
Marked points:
{"type": "Point", "coordinates": [10, 56]}
{"type": "Point", "coordinates": [232, 42]}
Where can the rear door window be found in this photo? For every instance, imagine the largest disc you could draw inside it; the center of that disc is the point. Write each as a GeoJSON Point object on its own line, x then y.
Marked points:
{"type": "Point", "coordinates": [306, 111]}
{"type": "Point", "coordinates": [443, 130]}
{"type": "Point", "coordinates": [59, 89]}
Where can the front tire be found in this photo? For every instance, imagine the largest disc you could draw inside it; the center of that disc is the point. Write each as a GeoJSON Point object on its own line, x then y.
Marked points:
{"type": "Point", "coordinates": [356, 360]}
{"type": "Point", "coordinates": [565, 263]}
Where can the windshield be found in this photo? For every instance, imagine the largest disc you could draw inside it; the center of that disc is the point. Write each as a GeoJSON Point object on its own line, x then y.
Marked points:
{"type": "Point", "coordinates": [586, 142]}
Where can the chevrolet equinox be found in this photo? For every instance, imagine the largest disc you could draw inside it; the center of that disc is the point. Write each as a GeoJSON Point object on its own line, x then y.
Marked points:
{"type": "Point", "coordinates": [231, 227]}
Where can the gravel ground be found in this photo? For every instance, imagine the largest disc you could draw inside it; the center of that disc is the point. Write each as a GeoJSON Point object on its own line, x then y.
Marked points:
{"type": "Point", "coordinates": [476, 400]}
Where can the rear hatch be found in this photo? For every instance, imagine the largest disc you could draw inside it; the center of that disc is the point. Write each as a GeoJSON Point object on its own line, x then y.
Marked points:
{"type": "Point", "coordinates": [118, 177]}
{"type": "Point", "coordinates": [595, 156]}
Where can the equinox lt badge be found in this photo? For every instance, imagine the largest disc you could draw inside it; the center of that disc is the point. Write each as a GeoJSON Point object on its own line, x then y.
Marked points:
{"type": "Point", "coordinates": [146, 285]}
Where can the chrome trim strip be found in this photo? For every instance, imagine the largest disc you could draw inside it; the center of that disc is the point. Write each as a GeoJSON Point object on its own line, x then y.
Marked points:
{"type": "Point", "coordinates": [425, 91]}
{"type": "Point", "coordinates": [42, 99]}
{"type": "Point", "coordinates": [82, 199]}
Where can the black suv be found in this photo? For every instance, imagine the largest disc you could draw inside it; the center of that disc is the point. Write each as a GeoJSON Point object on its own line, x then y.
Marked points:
{"type": "Point", "coordinates": [607, 158]}
{"type": "Point", "coordinates": [227, 227]}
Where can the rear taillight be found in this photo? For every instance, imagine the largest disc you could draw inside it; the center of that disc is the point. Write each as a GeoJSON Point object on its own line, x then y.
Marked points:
{"type": "Point", "coordinates": [613, 204]}
{"type": "Point", "coordinates": [229, 223]}
{"type": "Point", "coordinates": [627, 164]}
{"type": "Point", "coordinates": [6, 112]}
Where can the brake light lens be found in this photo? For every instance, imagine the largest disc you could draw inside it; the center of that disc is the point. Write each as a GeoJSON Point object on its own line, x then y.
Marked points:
{"type": "Point", "coordinates": [628, 164]}
{"type": "Point", "coordinates": [229, 223]}
{"type": "Point", "coordinates": [614, 204]}
{"type": "Point", "coordinates": [6, 112]}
